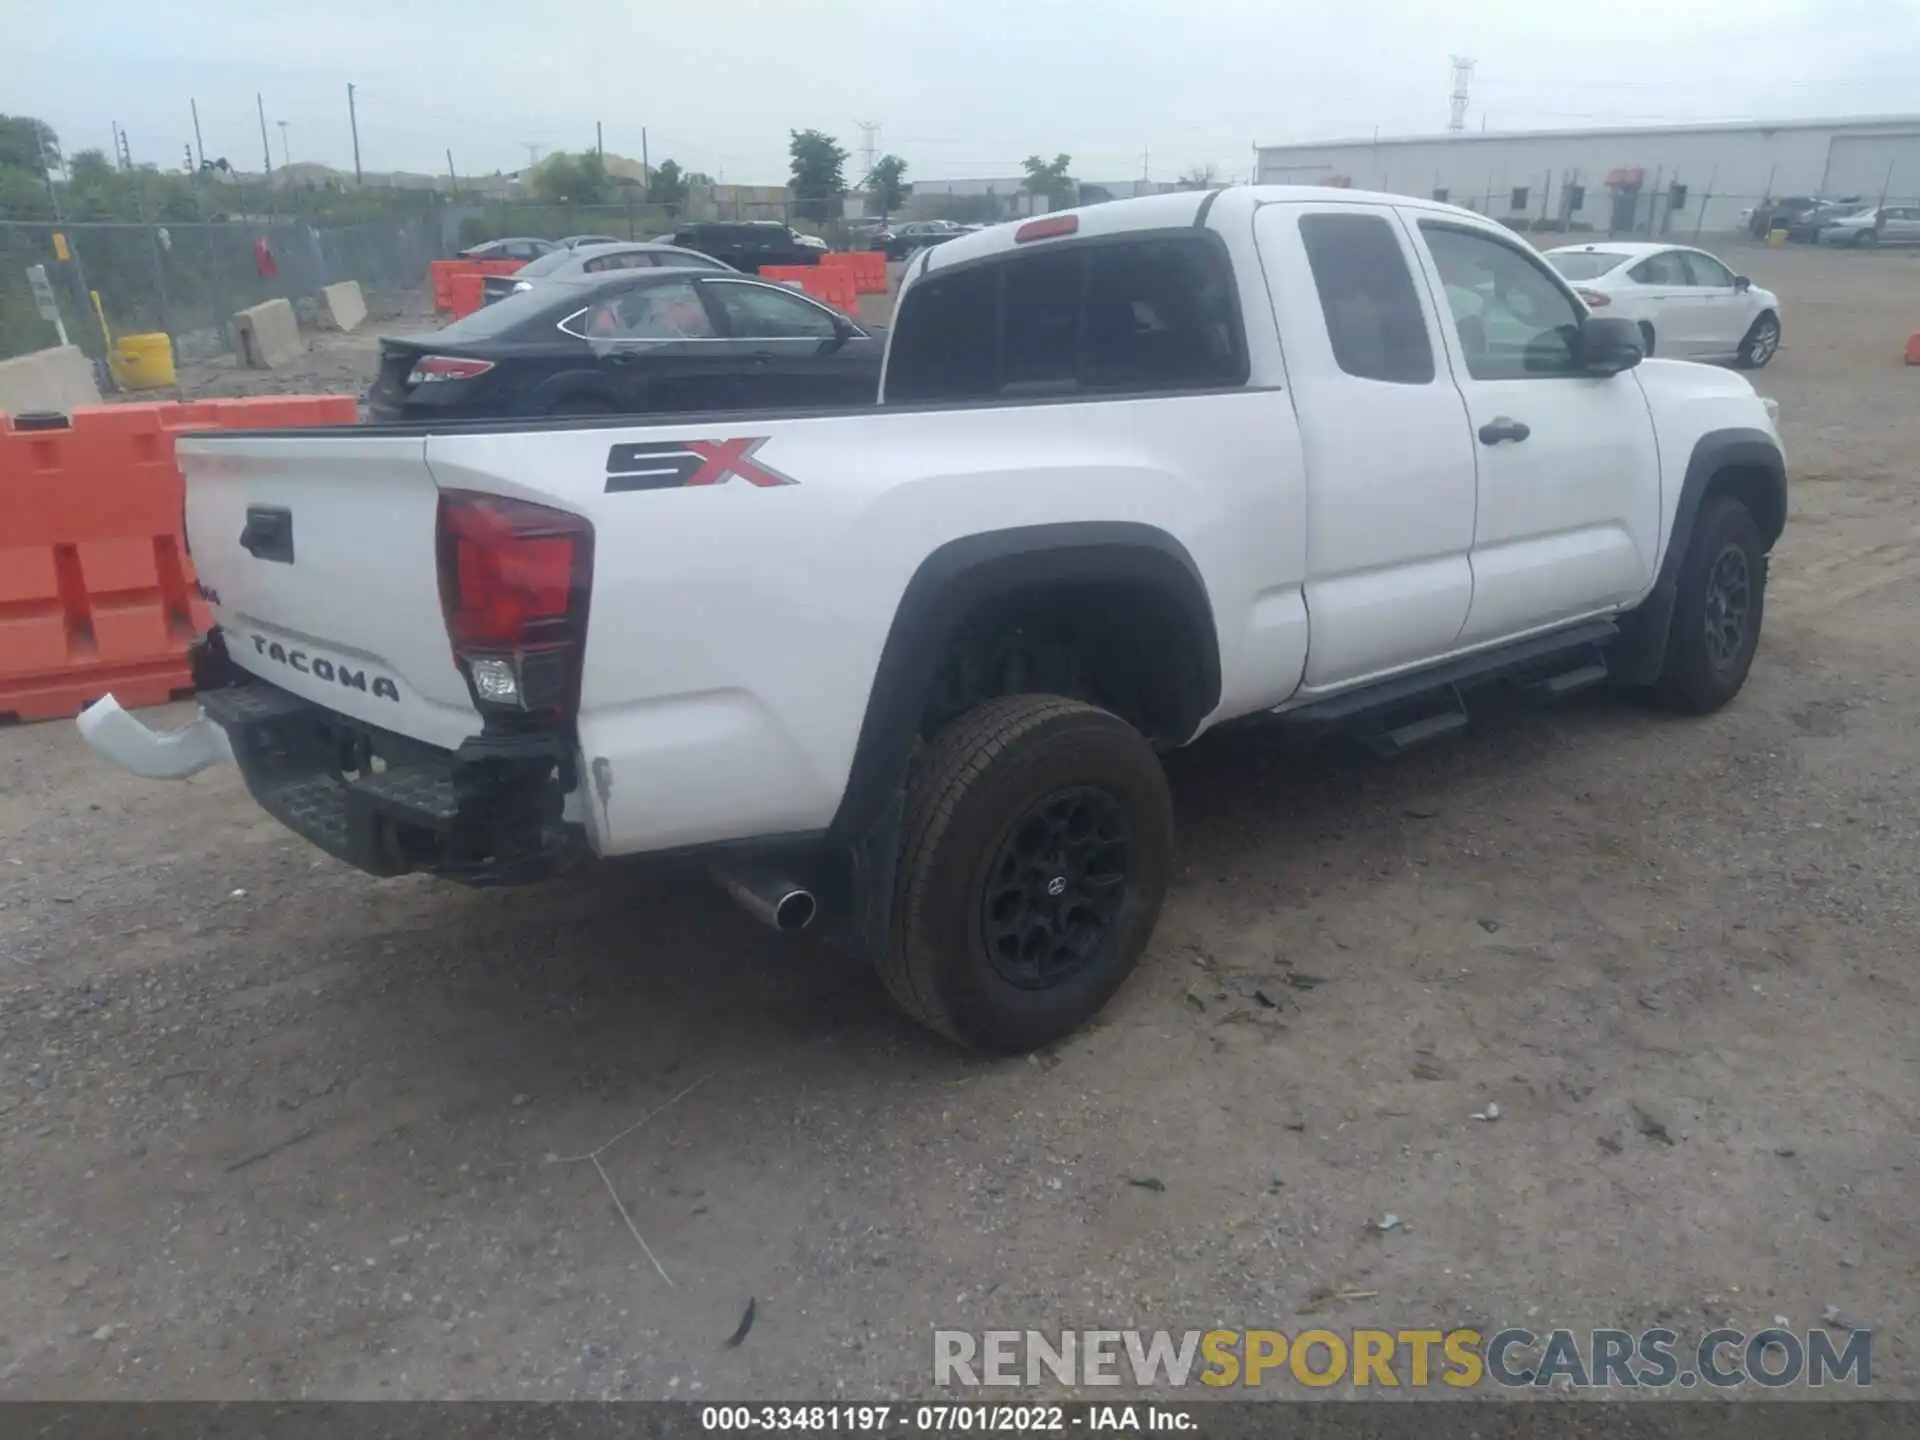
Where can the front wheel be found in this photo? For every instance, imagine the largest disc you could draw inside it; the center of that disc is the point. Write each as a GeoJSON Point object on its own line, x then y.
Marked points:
{"type": "Point", "coordinates": [1866, 240]}
{"type": "Point", "coordinates": [1035, 850]}
{"type": "Point", "coordinates": [1717, 612]}
{"type": "Point", "coordinates": [1762, 340]}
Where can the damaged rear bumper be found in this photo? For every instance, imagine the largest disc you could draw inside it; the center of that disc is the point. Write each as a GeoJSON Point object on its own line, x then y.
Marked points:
{"type": "Point", "coordinates": [493, 812]}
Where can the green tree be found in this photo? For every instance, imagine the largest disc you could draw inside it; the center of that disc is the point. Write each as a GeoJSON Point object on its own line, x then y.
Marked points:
{"type": "Point", "coordinates": [1050, 178]}
{"type": "Point", "coordinates": [1199, 177]}
{"type": "Point", "coordinates": [819, 173]}
{"type": "Point", "coordinates": [27, 144]}
{"type": "Point", "coordinates": [699, 180]}
{"type": "Point", "coordinates": [575, 179]}
{"type": "Point", "coordinates": [886, 183]}
{"type": "Point", "coordinates": [666, 186]}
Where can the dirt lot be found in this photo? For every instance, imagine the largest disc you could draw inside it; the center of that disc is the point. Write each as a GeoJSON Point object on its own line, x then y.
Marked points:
{"type": "Point", "coordinates": [269, 1128]}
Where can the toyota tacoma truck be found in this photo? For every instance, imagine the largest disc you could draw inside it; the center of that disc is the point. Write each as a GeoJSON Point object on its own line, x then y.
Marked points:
{"type": "Point", "coordinates": [903, 674]}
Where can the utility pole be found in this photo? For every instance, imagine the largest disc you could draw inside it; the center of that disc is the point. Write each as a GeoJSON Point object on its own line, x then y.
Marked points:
{"type": "Point", "coordinates": [1457, 101]}
{"type": "Point", "coordinates": [197, 145]}
{"type": "Point", "coordinates": [286, 154]}
{"type": "Point", "coordinates": [869, 143]}
{"type": "Point", "coordinates": [599, 141]}
{"type": "Point", "coordinates": [646, 170]}
{"type": "Point", "coordinates": [266, 150]}
{"type": "Point", "coordinates": [452, 179]}
{"type": "Point", "coordinates": [353, 119]}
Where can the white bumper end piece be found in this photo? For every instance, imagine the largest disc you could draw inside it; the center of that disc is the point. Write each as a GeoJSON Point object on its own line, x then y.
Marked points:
{"type": "Point", "coordinates": [155, 754]}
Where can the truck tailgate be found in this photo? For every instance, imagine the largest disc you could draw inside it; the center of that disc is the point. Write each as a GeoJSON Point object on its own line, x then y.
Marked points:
{"type": "Point", "coordinates": [317, 557]}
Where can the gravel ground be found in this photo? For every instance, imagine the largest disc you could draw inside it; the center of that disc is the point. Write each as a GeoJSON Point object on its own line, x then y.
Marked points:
{"type": "Point", "coordinates": [270, 1128]}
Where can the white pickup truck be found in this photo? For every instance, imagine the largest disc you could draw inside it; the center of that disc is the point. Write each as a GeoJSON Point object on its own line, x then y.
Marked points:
{"type": "Point", "coordinates": [1138, 470]}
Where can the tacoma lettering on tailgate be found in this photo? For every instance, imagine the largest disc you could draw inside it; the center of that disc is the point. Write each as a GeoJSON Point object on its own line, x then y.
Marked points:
{"type": "Point", "coordinates": [324, 669]}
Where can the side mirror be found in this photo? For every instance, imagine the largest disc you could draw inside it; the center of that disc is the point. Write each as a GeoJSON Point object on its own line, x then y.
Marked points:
{"type": "Point", "coordinates": [1609, 345]}
{"type": "Point", "coordinates": [1742, 284]}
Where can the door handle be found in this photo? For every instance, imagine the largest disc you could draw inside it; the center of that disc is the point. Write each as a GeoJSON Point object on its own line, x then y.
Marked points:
{"type": "Point", "coordinates": [1501, 428]}
{"type": "Point", "coordinates": [268, 533]}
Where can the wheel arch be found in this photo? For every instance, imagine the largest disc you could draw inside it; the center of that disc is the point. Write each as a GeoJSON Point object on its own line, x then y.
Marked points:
{"type": "Point", "coordinates": [968, 577]}
{"type": "Point", "coordinates": [1744, 463]}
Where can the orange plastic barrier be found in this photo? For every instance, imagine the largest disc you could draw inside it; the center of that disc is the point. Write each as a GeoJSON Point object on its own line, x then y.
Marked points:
{"type": "Point", "coordinates": [97, 592]}
{"type": "Point", "coordinates": [440, 274]}
{"type": "Point", "coordinates": [1913, 348]}
{"type": "Point", "coordinates": [869, 269]}
{"type": "Point", "coordinates": [823, 282]}
{"type": "Point", "coordinates": [468, 289]}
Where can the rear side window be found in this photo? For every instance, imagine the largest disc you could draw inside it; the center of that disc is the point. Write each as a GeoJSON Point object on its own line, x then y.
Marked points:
{"type": "Point", "coordinates": [1138, 315]}
{"type": "Point", "coordinates": [1367, 297]}
{"type": "Point", "coordinates": [1666, 268]}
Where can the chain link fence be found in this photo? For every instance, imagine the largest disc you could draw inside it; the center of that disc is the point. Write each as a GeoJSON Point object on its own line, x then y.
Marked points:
{"type": "Point", "coordinates": [187, 279]}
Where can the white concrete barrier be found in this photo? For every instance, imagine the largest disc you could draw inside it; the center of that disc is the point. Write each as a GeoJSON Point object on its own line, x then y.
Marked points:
{"type": "Point", "coordinates": [266, 336]}
{"type": "Point", "coordinates": [343, 305]}
{"type": "Point", "coordinates": [56, 379]}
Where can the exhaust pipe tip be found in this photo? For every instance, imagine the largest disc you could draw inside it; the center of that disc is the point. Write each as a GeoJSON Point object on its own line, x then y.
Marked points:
{"type": "Point", "coordinates": [795, 911]}
{"type": "Point", "coordinates": [772, 899]}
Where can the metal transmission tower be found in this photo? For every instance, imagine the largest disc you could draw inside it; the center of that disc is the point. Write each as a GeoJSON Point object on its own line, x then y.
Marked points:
{"type": "Point", "coordinates": [1457, 101]}
{"type": "Point", "coordinates": [869, 144]}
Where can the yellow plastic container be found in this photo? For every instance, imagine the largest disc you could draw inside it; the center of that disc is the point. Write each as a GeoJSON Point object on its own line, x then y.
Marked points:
{"type": "Point", "coordinates": [142, 362]}
{"type": "Point", "coordinates": [1776, 237]}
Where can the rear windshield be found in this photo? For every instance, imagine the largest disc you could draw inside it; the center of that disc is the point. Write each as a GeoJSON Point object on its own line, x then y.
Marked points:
{"type": "Point", "coordinates": [1586, 264]}
{"type": "Point", "coordinates": [495, 321]}
{"type": "Point", "coordinates": [553, 260]}
{"type": "Point", "coordinates": [1143, 314]}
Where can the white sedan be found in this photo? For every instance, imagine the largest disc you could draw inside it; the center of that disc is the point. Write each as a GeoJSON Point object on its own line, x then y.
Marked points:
{"type": "Point", "coordinates": [1688, 305]}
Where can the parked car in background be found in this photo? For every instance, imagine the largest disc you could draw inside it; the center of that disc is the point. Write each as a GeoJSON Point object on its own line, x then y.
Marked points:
{"type": "Point", "coordinates": [1785, 213]}
{"type": "Point", "coordinates": [595, 260]}
{"type": "Point", "coordinates": [1805, 229]}
{"type": "Point", "coordinates": [1874, 225]}
{"type": "Point", "coordinates": [903, 242]}
{"type": "Point", "coordinates": [517, 247]}
{"type": "Point", "coordinates": [1688, 304]}
{"type": "Point", "coordinates": [746, 245]}
{"type": "Point", "coordinates": [574, 242]}
{"type": "Point", "coordinates": [631, 342]}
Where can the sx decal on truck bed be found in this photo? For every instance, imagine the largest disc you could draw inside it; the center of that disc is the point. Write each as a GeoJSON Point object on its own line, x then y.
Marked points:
{"type": "Point", "coordinates": [671, 464]}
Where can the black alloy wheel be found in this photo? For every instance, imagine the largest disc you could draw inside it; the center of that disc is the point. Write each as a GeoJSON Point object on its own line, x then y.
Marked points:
{"type": "Point", "coordinates": [1056, 887]}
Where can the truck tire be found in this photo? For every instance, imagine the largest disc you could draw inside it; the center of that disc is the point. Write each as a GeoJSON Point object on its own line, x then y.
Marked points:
{"type": "Point", "coordinates": [1717, 610]}
{"type": "Point", "coordinates": [1036, 841]}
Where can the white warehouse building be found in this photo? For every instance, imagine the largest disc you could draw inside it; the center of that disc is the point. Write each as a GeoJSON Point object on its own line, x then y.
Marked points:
{"type": "Point", "coordinates": [1676, 180]}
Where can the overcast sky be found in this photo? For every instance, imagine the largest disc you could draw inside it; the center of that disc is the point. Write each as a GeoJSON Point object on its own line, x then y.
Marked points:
{"type": "Point", "coordinates": [961, 88]}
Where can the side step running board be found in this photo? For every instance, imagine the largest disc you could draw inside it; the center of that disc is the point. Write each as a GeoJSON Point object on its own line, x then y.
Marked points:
{"type": "Point", "coordinates": [1395, 715]}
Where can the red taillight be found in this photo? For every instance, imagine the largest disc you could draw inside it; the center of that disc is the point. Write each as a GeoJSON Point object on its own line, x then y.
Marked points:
{"type": "Point", "coordinates": [514, 579]}
{"type": "Point", "coordinates": [1046, 228]}
{"type": "Point", "coordinates": [430, 368]}
{"type": "Point", "coordinates": [1596, 300]}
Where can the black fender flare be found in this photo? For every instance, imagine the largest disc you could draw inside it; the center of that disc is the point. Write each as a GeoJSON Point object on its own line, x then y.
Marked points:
{"type": "Point", "coordinates": [961, 576]}
{"type": "Point", "coordinates": [1753, 451]}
